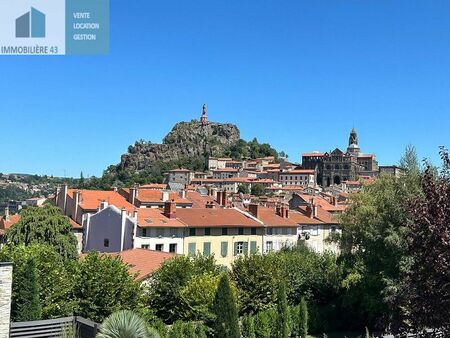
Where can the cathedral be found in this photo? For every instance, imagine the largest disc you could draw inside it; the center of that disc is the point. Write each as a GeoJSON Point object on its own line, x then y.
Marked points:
{"type": "Point", "coordinates": [338, 166]}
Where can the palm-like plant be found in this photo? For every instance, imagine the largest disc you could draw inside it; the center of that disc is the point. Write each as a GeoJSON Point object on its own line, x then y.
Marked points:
{"type": "Point", "coordinates": [126, 324]}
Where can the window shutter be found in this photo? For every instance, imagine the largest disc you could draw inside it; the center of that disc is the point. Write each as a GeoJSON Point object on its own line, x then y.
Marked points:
{"type": "Point", "coordinates": [224, 249]}
{"type": "Point", "coordinates": [253, 247]}
{"type": "Point", "coordinates": [207, 248]}
{"type": "Point", "coordinates": [235, 248]}
{"type": "Point", "coordinates": [245, 248]}
{"type": "Point", "coordinates": [191, 249]}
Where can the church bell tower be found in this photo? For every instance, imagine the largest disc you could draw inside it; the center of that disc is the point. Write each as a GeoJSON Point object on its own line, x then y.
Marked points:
{"type": "Point", "coordinates": [204, 118]}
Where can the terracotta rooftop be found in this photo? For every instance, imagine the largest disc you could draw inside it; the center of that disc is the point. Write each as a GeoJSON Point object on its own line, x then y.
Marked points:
{"type": "Point", "coordinates": [301, 218]}
{"type": "Point", "coordinates": [148, 218]}
{"type": "Point", "coordinates": [269, 217]}
{"type": "Point", "coordinates": [298, 171]}
{"type": "Point", "coordinates": [156, 196]}
{"type": "Point", "coordinates": [6, 224]}
{"type": "Point", "coordinates": [313, 154]}
{"type": "Point", "coordinates": [91, 199]}
{"type": "Point", "coordinates": [322, 215]}
{"type": "Point", "coordinates": [198, 200]}
{"type": "Point", "coordinates": [143, 262]}
{"type": "Point", "coordinates": [215, 218]}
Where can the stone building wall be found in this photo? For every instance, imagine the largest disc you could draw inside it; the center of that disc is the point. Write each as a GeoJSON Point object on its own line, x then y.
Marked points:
{"type": "Point", "coordinates": [5, 298]}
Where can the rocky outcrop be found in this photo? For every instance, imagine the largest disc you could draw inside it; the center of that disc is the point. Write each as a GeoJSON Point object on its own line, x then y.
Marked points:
{"type": "Point", "coordinates": [185, 140]}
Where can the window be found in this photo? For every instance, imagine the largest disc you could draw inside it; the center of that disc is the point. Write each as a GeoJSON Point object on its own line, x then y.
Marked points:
{"type": "Point", "coordinates": [314, 230]}
{"type": "Point", "coordinates": [224, 231]}
{"type": "Point", "coordinates": [269, 246]}
{"type": "Point", "coordinates": [270, 231]}
{"type": "Point", "coordinates": [145, 246]}
{"type": "Point", "coordinates": [253, 231]}
{"type": "Point", "coordinates": [144, 232]}
{"type": "Point", "coordinates": [192, 248]}
{"type": "Point", "coordinates": [238, 248]}
{"type": "Point", "coordinates": [106, 243]}
{"type": "Point", "coordinates": [240, 231]}
{"type": "Point", "coordinates": [207, 231]}
{"type": "Point", "coordinates": [224, 249]}
{"type": "Point", "coordinates": [192, 232]}
{"type": "Point", "coordinates": [173, 247]}
{"type": "Point", "coordinates": [159, 247]}
{"type": "Point", "coordinates": [207, 248]}
{"type": "Point", "coordinates": [253, 247]}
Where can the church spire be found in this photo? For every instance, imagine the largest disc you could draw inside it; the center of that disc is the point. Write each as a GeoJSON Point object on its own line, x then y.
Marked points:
{"type": "Point", "coordinates": [353, 139]}
{"type": "Point", "coordinates": [204, 118]}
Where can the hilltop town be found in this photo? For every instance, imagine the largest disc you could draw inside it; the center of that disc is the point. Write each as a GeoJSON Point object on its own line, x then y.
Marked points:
{"type": "Point", "coordinates": [235, 205]}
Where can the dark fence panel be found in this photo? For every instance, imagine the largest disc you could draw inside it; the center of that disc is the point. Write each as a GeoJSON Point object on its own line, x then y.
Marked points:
{"type": "Point", "coordinates": [61, 327]}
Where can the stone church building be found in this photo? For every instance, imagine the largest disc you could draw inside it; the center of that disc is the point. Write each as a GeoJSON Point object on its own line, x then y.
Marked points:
{"type": "Point", "coordinates": [337, 166]}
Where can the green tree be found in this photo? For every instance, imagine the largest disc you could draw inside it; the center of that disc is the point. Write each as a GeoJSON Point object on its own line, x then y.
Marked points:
{"type": "Point", "coordinates": [44, 225]}
{"type": "Point", "coordinates": [26, 302]}
{"type": "Point", "coordinates": [282, 320]}
{"type": "Point", "coordinates": [243, 189]}
{"type": "Point", "coordinates": [258, 189]}
{"type": "Point", "coordinates": [373, 248]}
{"type": "Point", "coordinates": [225, 323]}
{"type": "Point", "coordinates": [168, 290]}
{"type": "Point", "coordinates": [104, 286]}
{"type": "Point", "coordinates": [176, 331]}
{"type": "Point", "coordinates": [125, 324]}
{"type": "Point", "coordinates": [303, 318]}
{"type": "Point", "coordinates": [55, 277]}
{"type": "Point", "coordinates": [248, 327]}
{"type": "Point", "coordinates": [189, 330]}
{"type": "Point", "coordinates": [262, 325]}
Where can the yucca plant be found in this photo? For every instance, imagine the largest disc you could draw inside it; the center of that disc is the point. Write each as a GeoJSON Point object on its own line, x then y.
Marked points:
{"type": "Point", "coordinates": [126, 324]}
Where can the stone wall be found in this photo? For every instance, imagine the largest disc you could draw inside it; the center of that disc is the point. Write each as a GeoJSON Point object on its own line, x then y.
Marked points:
{"type": "Point", "coordinates": [6, 270]}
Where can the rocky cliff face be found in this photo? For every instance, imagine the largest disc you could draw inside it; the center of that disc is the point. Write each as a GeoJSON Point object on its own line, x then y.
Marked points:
{"type": "Point", "coordinates": [185, 140]}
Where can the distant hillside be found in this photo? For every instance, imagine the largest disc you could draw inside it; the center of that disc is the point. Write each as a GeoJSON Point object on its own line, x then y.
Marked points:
{"type": "Point", "coordinates": [187, 145]}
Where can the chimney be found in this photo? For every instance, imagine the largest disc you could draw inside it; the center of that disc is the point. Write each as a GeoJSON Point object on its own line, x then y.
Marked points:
{"type": "Point", "coordinates": [284, 211]}
{"type": "Point", "coordinates": [209, 191]}
{"type": "Point", "coordinates": [278, 210]}
{"type": "Point", "coordinates": [135, 213]}
{"type": "Point", "coordinates": [309, 211]}
{"type": "Point", "coordinates": [76, 201]}
{"type": "Point", "coordinates": [219, 197]}
{"type": "Point", "coordinates": [170, 209]}
{"type": "Point", "coordinates": [209, 205]}
{"type": "Point", "coordinates": [224, 199]}
{"type": "Point", "coordinates": [63, 205]}
{"type": "Point", "coordinates": [334, 200]}
{"type": "Point", "coordinates": [103, 205]}
{"type": "Point", "coordinates": [132, 195]}
{"type": "Point", "coordinates": [182, 193]}
{"type": "Point", "coordinates": [253, 208]}
{"type": "Point", "coordinates": [314, 210]}
{"type": "Point", "coordinates": [7, 214]}
{"type": "Point", "coordinates": [114, 189]}
{"type": "Point", "coordinates": [165, 196]}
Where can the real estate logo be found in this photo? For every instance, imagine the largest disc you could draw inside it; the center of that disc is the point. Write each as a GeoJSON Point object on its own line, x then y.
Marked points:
{"type": "Point", "coordinates": [31, 24]}
{"type": "Point", "coordinates": [54, 27]}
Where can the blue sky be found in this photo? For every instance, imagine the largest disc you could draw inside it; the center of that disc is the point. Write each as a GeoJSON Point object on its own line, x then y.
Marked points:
{"type": "Point", "coordinates": [297, 74]}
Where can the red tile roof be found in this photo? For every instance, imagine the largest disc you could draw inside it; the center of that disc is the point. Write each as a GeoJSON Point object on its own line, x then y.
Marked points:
{"type": "Point", "coordinates": [313, 154]}
{"type": "Point", "coordinates": [91, 199]}
{"type": "Point", "coordinates": [6, 224]}
{"type": "Point", "coordinates": [156, 196]}
{"type": "Point", "coordinates": [148, 218]}
{"type": "Point", "coordinates": [269, 217]}
{"type": "Point", "coordinates": [143, 262]}
{"type": "Point", "coordinates": [215, 218]}
{"type": "Point", "coordinates": [198, 200]}
{"type": "Point", "coordinates": [322, 215]}
{"type": "Point", "coordinates": [301, 218]}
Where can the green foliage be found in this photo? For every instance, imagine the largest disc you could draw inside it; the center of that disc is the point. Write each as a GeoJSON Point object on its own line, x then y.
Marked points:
{"type": "Point", "coordinates": [104, 286]}
{"type": "Point", "coordinates": [262, 325]}
{"type": "Point", "coordinates": [13, 193]}
{"type": "Point", "coordinates": [373, 246]}
{"type": "Point", "coordinates": [225, 323]}
{"type": "Point", "coordinates": [124, 324]}
{"type": "Point", "coordinates": [168, 290]}
{"type": "Point", "coordinates": [176, 331]}
{"type": "Point", "coordinates": [243, 188]}
{"type": "Point", "coordinates": [55, 277]}
{"type": "Point", "coordinates": [256, 277]}
{"type": "Point", "coordinates": [302, 319]}
{"type": "Point", "coordinates": [282, 320]}
{"type": "Point", "coordinates": [201, 331]}
{"type": "Point", "coordinates": [189, 330]}
{"type": "Point", "coordinates": [258, 189]}
{"type": "Point", "coordinates": [248, 327]}
{"type": "Point", "coordinates": [26, 302]}
{"type": "Point", "coordinates": [44, 225]}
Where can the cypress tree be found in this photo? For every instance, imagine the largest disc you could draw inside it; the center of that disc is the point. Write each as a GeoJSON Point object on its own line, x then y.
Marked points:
{"type": "Point", "coordinates": [27, 305]}
{"type": "Point", "coordinates": [303, 318]}
{"type": "Point", "coordinates": [189, 330]}
{"type": "Point", "coordinates": [248, 327]}
{"type": "Point", "coordinates": [282, 321]}
{"type": "Point", "coordinates": [226, 324]}
{"type": "Point", "coordinates": [262, 325]}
